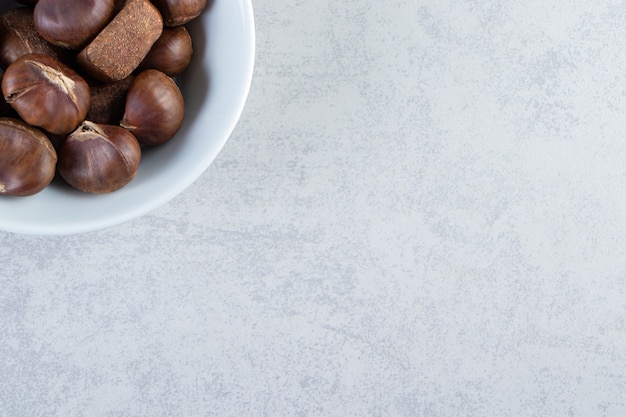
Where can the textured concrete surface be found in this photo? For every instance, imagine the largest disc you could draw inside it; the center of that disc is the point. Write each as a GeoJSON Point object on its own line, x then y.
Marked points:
{"type": "Point", "coordinates": [421, 213]}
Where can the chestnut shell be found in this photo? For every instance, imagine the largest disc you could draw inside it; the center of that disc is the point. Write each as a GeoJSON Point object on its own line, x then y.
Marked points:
{"type": "Point", "coordinates": [171, 53]}
{"type": "Point", "coordinates": [46, 93]}
{"type": "Point", "coordinates": [154, 109]}
{"type": "Point", "coordinates": [179, 12]}
{"type": "Point", "coordinates": [99, 158]}
{"type": "Point", "coordinates": [18, 36]}
{"type": "Point", "coordinates": [5, 109]}
{"type": "Point", "coordinates": [27, 159]}
{"type": "Point", "coordinates": [71, 24]}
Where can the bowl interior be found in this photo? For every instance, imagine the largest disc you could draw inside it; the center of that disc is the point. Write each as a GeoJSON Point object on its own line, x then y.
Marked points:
{"type": "Point", "coordinates": [215, 87]}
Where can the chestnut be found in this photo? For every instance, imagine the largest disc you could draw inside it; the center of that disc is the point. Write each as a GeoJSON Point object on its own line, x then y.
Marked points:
{"type": "Point", "coordinates": [98, 158]}
{"type": "Point", "coordinates": [5, 109]}
{"type": "Point", "coordinates": [179, 12]}
{"type": "Point", "coordinates": [171, 53]}
{"type": "Point", "coordinates": [27, 158]}
{"type": "Point", "coordinates": [72, 23]}
{"type": "Point", "coordinates": [154, 108]}
{"type": "Point", "coordinates": [46, 93]}
{"type": "Point", "coordinates": [18, 36]}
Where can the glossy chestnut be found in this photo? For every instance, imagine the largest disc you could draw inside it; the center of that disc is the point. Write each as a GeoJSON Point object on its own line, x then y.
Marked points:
{"type": "Point", "coordinates": [46, 93]}
{"type": "Point", "coordinates": [98, 158]}
{"type": "Point", "coordinates": [154, 109]}
{"type": "Point", "coordinates": [27, 159]}
{"type": "Point", "coordinates": [72, 23]}
{"type": "Point", "coordinates": [5, 109]}
{"type": "Point", "coordinates": [18, 37]}
{"type": "Point", "coordinates": [179, 12]}
{"type": "Point", "coordinates": [171, 53]}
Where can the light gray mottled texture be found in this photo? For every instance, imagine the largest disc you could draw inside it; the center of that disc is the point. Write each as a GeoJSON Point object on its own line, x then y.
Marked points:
{"type": "Point", "coordinates": [421, 213]}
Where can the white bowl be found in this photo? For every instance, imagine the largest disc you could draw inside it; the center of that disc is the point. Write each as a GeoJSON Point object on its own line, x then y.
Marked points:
{"type": "Point", "coordinates": [215, 87]}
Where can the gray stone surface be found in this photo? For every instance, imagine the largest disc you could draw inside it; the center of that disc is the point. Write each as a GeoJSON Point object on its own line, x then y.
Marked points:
{"type": "Point", "coordinates": [421, 213]}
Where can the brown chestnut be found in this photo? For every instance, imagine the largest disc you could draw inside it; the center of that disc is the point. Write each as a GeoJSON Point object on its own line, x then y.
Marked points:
{"type": "Point", "coordinates": [179, 12]}
{"type": "Point", "coordinates": [5, 109]}
{"type": "Point", "coordinates": [72, 23]}
{"type": "Point", "coordinates": [46, 93]}
{"type": "Point", "coordinates": [18, 36]}
{"type": "Point", "coordinates": [98, 158]}
{"type": "Point", "coordinates": [27, 158]}
{"type": "Point", "coordinates": [154, 108]}
{"type": "Point", "coordinates": [171, 53]}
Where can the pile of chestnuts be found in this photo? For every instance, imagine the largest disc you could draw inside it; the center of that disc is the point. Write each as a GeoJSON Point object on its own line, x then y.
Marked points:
{"type": "Point", "coordinates": [88, 84]}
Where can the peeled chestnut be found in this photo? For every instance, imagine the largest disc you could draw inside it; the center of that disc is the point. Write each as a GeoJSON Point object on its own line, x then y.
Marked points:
{"type": "Point", "coordinates": [99, 158]}
{"type": "Point", "coordinates": [120, 47]}
{"type": "Point", "coordinates": [27, 158]}
{"type": "Point", "coordinates": [46, 93]}
{"type": "Point", "coordinates": [171, 53]}
{"type": "Point", "coordinates": [179, 12]}
{"type": "Point", "coordinates": [154, 108]}
{"type": "Point", "coordinates": [72, 23]}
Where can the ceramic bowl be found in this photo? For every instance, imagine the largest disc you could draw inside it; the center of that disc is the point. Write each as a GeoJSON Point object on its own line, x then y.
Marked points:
{"type": "Point", "coordinates": [215, 87]}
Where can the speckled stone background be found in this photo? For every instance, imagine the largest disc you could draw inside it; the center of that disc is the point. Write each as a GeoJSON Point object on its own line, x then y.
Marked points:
{"type": "Point", "coordinates": [421, 213]}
